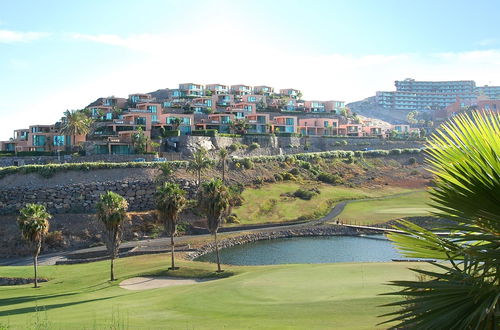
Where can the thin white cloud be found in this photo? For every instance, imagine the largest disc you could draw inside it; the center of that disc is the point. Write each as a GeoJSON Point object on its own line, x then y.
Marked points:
{"type": "Point", "coordinates": [488, 42]}
{"type": "Point", "coordinates": [8, 36]}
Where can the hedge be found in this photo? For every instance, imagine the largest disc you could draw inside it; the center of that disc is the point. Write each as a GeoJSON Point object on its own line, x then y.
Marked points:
{"type": "Point", "coordinates": [49, 170]}
{"type": "Point", "coordinates": [204, 132]}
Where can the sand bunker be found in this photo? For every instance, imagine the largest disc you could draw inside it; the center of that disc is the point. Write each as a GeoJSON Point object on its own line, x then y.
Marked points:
{"type": "Point", "coordinates": [150, 282]}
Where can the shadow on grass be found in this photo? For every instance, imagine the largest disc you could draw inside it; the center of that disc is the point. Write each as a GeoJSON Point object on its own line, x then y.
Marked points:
{"type": "Point", "coordinates": [25, 299]}
{"type": "Point", "coordinates": [34, 309]}
{"type": "Point", "coordinates": [186, 272]}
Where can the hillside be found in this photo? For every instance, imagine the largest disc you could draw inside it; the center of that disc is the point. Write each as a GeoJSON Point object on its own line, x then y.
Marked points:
{"type": "Point", "coordinates": [369, 108]}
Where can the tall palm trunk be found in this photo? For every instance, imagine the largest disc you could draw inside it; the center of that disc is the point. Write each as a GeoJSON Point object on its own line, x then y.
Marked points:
{"type": "Point", "coordinates": [217, 252]}
{"type": "Point", "coordinates": [199, 179]}
{"type": "Point", "coordinates": [35, 261]}
{"type": "Point", "coordinates": [172, 250]}
{"type": "Point", "coordinates": [112, 270]}
{"type": "Point", "coordinates": [224, 171]}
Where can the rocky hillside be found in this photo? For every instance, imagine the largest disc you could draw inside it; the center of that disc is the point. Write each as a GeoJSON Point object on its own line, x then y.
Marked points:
{"type": "Point", "coordinates": [369, 108]}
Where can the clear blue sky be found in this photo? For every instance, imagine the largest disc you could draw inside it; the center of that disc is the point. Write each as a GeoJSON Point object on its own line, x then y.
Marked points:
{"type": "Point", "coordinates": [58, 55]}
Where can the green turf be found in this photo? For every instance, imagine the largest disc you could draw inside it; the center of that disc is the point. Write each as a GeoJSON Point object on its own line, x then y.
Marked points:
{"type": "Point", "coordinates": [389, 208]}
{"type": "Point", "coordinates": [317, 296]}
{"type": "Point", "coordinates": [257, 207]}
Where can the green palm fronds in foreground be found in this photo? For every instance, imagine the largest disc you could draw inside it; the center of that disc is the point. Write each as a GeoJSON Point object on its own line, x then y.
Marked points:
{"type": "Point", "coordinates": [464, 292]}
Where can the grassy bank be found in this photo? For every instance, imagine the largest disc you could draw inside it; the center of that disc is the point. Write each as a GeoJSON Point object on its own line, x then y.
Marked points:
{"type": "Point", "coordinates": [390, 208]}
{"type": "Point", "coordinates": [271, 203]}
{"type": "Point", "coordinates": [341, 296]}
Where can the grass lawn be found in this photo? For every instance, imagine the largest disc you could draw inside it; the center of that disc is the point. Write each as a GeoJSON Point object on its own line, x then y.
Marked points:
{"type": "Point", "coordinates": [326, 296]}
{"type": "Point", "coordinates": [266, 203]}
{"type": "Point", "coordinates": [389, 208]}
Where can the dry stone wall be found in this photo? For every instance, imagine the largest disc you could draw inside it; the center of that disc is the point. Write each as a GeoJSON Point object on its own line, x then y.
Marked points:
{"type": "Point", "coordinates": [82, 197]}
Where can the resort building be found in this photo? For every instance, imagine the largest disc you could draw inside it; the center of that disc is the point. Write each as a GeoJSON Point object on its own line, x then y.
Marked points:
{"type": "Point", "coordinates": [318, 126]}
{"type": "Point", "coordinates": [290, 92]}
{"type": "Point", "coordinates": [216, 89]}
{"type": "Point", "coordinates": [263, 90]}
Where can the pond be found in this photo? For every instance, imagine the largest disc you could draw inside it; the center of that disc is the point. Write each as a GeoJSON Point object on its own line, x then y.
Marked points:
{"type": "Point", "coordinates": [373, 248]}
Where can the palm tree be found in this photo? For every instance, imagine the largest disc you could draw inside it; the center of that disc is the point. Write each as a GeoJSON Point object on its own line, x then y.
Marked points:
{"type": "Point", "coordinates": [199, 163]}
{"type": "Point", "coordinates": [214, 203]}
{"type": "Point", "coordinates": [239, 126]}
{"type": "Point", "coordinates": [74, 123]}
{"type": "Point", "coordinates": [223, 154]}
{"type": "Point", "coordinates": [33, 222]}
{"type": "Point", "coordinates": [175, 122]}
{"type": "Point", "coordinates": [464, 292]}
{"type": "Point", "coordinates": [112, 211]}
{"type": "Point", "coordinates": [170, 201]}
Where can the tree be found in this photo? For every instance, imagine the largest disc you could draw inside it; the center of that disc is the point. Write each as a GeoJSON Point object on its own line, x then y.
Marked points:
{"type": "Point", "coordinates": [170, 201]}
{"type": "Point", "coordinates": [112, 211]}
{"type": "Point", "coordinates": [214, 203]}
{"type": "Point", "coordinates": [166, 172]}
{"type": "Point", "coordinates": [464, 292]}
{"type": "Point", "coordinates": [75, 122]}
{"type": "Point", "coordinates": [140, 141]}
{"type": "Point", "coordinates": [199, 163]}
{"type": "Point", "coordinates": [175, 123]}
{"type": "Point", "coordinates": [33, 221]}
{"type": "Point", "coordinates": [223, 154]}
{"type": "Point", "coordinates": [239, 126]}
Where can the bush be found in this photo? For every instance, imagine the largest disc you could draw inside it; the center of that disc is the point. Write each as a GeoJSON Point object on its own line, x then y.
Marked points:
{"type": "Point", "coordinates": [412, 161]}
{"type": "Point", "coordinates": [329, 178]}
{"type": "Point", "coordinates": [253, 146]}
{"type": "Point", "coordinates": [54, 239]}
{"type": "Point", "coordinates": [395, 152]}
{"type": "Point", "coordinates": [305, 194]}
{"type": "Point", "coordinates": [278, 177]}
{"type": "Point", "coordinates": [236, 146]}
{"type": "Point", "coordinates": [294, 171]}
{"type": "Point", "coordinates": [288, 176]}
{"type": "Point", "coordinates": [232, 219]}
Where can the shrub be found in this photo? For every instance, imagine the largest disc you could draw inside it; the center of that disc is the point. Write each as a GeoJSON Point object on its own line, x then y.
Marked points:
{"type": "Point", "coordinates": [254, 146]}
{"type": "Point", "coordinates": [278, 177]}
{"type": "Point", "coordinates": [395, 152]}
{"type": "Point", "coordinates": [305, 194]}
{"type": "Point", "coordinates": [329, 178]}
{"type": "Point", "coordinates": [232, 219]}
{"type": "Point", "coordinates": [268, 206]}
{"type": "Point", "coordinates": [54, 239]}
{"type": "Point", "coordinates": [288, 176]}
{"type": "Point", "coordinates": [294, 171]}
{"type": "Point", "coordinates": [412, 161]}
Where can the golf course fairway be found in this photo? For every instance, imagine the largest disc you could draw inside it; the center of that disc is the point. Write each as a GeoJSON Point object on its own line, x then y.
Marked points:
{"type": "Point", "coordinates": [307, 296]}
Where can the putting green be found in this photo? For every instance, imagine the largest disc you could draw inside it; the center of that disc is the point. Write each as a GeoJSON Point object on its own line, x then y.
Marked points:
{"type": "Point", "coordinates": [316, 296]}
{"type": "Point", "coordinates": [388, 208]}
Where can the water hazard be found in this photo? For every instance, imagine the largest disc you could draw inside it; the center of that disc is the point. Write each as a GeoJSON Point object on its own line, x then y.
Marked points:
{"type": "Point", "coordinates": [373, 248]}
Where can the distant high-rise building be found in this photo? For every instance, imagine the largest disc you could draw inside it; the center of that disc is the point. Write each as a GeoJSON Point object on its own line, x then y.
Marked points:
{"type": "Point", "coordinates": [432, 95]}
{"type": "Point", "coordinates": [492, 92]}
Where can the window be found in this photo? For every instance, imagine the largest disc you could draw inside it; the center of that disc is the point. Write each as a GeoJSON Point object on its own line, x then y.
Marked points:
{"type": "Point", "coordinates": [154, 118]}
{"type": "Point", "coordinates": [289, 121]}
{"type": "Point", "coordinates": [152, 108]}
{"type": "Point", "coordinates": [59, 140]}
{"type": "Point", "coordinates": [38, 140]}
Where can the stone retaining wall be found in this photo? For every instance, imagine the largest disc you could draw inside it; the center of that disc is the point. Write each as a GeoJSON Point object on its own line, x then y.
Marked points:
{"type": "Point", "coordinates": [18, 280]}
{"type": "Point", "coordinates": [82, 197]}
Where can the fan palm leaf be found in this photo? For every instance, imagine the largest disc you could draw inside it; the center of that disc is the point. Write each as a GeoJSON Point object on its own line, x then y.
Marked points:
{"type": "Point", "coordinates": [464, 156]}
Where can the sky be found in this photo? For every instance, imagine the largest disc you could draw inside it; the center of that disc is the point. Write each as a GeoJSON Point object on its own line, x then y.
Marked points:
{"type": "Point", "coordinates": [59, 55]}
